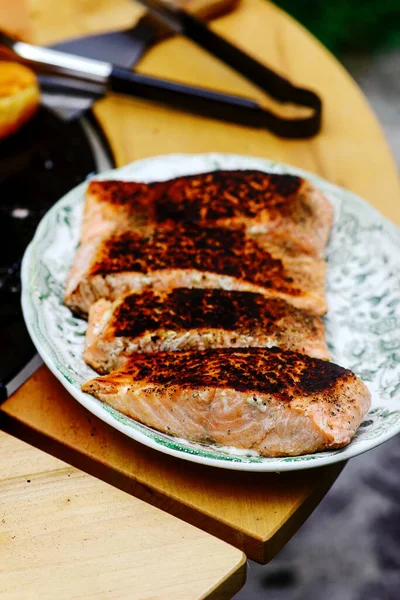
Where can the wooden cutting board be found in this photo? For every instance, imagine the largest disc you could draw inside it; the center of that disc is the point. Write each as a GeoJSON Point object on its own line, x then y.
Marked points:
{"type": "Point", "coordinates": [256, 512]}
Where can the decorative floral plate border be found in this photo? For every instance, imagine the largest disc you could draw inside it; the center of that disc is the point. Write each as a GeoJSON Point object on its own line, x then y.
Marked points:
{"type": "Point", "coordinates": [363, 325]}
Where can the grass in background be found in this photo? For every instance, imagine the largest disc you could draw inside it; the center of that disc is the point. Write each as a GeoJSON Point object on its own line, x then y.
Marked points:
{"type": "Point", "coordinates": [349, 25]}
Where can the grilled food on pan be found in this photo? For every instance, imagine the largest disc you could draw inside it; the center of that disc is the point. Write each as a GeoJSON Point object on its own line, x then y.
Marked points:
{"type": "Point", "coordinates": [284, 206]}
{"type": "Point", "coordinates": [196, 319]}
{"type": "Point", "coordinates": [277, 402]}
{"type": "Point", "coordinates": [194, 256]}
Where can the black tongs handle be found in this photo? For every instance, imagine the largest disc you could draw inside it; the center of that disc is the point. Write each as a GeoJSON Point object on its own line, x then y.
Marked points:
{"type": "Point", "coordinates": [189, 98]}
{"type": "Point", "coordinates": [270, 82]}
{"type": "Point", "coordinates": [207, 102]}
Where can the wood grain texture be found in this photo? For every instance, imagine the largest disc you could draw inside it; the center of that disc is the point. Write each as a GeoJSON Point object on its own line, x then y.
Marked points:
{"type": "Point", "coordinates": [14, 18]}
{"type": "Point", "coordinates": [256, 512]}
{"type": "Point", "coordinates": [65, 534]}
{"type": "Point", "coordinates": [74, 18]}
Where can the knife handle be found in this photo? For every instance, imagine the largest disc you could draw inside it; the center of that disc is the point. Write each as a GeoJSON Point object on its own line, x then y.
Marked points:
{"type": "Point", "coordinates": [190, 98]}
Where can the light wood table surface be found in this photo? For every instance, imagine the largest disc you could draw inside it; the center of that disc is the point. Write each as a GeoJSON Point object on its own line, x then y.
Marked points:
{"type": "Point", "coordinates": [67, 535]}
{"type": "Point", "coordinates": [256, 512]}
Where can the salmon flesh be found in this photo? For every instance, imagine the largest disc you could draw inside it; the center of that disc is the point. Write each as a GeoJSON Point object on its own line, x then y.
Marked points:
{"type": "Point", "coordinates": [196, 319]}
{"type": "Point", "coordinates": [284, 206]}
{"type": "Point", "coordinates": [279, 403]}
{"type": "Point", "coordinates": [194, 256]}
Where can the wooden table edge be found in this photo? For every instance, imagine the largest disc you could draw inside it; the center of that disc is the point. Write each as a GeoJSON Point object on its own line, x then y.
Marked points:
{"type": "Point", "coordinates": [304, 508]}
{"type": "Point", "coordinates": [234, 579]}
{"type": "Point", "coordinates": [50, 477]}
{"type": "Point", "coordinates": [260, 549]}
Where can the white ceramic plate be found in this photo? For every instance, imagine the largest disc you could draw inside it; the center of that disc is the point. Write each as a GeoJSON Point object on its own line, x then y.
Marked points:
{"type": "Point", "coordinates": [362, 326]}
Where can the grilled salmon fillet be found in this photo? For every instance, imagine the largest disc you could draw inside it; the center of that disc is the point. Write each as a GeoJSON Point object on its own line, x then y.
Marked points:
{"type": "Point", "coordinates": [194, 256]}
{"type": "Point", "coordinates": [196, 319]}
{"type": "Point", "coordinates": [277, 402]}
{"type": "Point", "coordinates": [285, 206]}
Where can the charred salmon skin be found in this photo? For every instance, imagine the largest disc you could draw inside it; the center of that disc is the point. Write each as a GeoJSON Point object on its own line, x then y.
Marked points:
{"type": "Point", "coordinates": [279, 403]}
{"type": "Point", "coordinates": [196, 319]}
{"type": "Point", "coordinates": [194, 256]}
{"type": "Point", "coordinates": [284, 206]}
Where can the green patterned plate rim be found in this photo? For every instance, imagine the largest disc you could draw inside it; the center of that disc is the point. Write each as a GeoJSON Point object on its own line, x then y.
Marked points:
{"type": "Point", "coordinates": [362, 325]}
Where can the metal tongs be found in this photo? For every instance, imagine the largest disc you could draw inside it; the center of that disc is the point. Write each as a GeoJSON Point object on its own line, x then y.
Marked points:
{"type": "Point", "coordinates": [198, 100]}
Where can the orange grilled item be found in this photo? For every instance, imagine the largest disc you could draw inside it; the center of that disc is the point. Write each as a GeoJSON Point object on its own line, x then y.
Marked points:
{"type": "Point", "coordinates": [194, 256]}
{"type": "Point", "coordinates": [277, 402]}
{"type": "Point", "coordinates": [196, 319]}
{"type": "Point", "coordinates": [284, 206]}
{"type": "Point", "coordinates": [19, 97]}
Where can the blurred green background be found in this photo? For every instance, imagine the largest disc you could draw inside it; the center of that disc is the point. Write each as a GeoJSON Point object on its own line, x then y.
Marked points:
{"type": "Point", "coordinates": [349, 25]}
